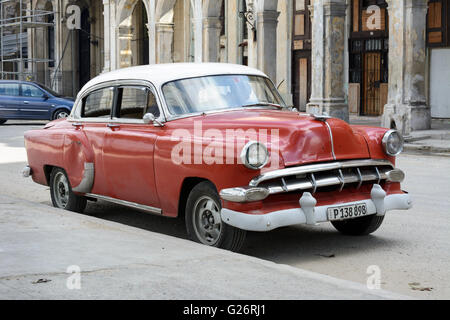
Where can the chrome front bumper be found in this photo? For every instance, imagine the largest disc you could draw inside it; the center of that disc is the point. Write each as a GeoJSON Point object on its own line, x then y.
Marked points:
{"type": "Point", "coordinates": [309, 214]}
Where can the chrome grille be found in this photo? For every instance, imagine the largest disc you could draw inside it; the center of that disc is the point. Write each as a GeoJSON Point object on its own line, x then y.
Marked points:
{"type": "Point", "coordinates": [317, 176]}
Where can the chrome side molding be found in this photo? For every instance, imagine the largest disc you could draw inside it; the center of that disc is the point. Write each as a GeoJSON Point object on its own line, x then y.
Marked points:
{"type": "Point", "coordinates": [126, 203]}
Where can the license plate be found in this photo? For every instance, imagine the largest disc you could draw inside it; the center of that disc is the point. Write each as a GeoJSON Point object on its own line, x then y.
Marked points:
{"type": "Point", "coordinates": [347, 212]}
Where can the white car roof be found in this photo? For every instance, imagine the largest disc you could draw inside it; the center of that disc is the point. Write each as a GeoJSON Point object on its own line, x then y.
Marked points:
{"type": "Point", "coordinates": [159, 74]}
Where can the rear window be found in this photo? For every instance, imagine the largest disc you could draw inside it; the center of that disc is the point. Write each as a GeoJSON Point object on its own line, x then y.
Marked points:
{"type": "Point", "coordinates": [98, 104]}
{"type": "Point", "coordinates": [9, 89]}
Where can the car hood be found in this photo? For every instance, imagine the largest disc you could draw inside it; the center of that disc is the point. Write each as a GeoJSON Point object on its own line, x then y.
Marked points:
{"type": "Point", "coordinates": [301, 138]}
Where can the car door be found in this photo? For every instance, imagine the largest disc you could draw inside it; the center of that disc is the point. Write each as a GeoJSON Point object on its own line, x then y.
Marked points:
{"type": "Point", "coordinates": [129, 145]}
{"type": "Point", "coordinates": [96, 113]}
{"type": "Point", "coordinates": [35, 102]}
{"type": "Point", "coordinates": [10, 100]}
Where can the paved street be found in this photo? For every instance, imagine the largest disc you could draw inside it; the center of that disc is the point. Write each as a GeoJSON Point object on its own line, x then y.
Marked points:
{"type": "Point", "coordinates": [411, 248]}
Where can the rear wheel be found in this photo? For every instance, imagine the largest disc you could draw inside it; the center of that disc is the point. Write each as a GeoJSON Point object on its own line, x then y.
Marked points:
{"type": "Point", "coordinates": [203, 221]}
{"type": "Point", "coordinates": [2, 121]}
{"type": "Point", "coordinates": [359, 226]}
{"type": "Point", "coordinates": [61, 192]}
{"type": "Point", "coordinates": [60, 114]}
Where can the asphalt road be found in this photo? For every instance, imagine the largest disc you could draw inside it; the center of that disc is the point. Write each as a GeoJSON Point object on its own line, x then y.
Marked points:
{"type": "Point", "coordinates": [411, 249]}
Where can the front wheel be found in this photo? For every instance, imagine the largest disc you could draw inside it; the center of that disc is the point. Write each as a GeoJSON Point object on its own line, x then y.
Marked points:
{"type": "Point", "coordinates": [60, 114]}
{"type": "Point", "coordinates": [61, 192]}
{"type": "Point", "coordinates": [360, 226]}
{"type": "Point", "coordinates": [204, 224]}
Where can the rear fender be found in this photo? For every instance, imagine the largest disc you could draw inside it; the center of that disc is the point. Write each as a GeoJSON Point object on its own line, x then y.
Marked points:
{"type": "Point", "coordinates": [79, 161]}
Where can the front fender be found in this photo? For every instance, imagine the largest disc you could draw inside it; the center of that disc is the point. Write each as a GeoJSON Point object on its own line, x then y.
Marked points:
{"type": "Point", "coordinates": [373, 137]}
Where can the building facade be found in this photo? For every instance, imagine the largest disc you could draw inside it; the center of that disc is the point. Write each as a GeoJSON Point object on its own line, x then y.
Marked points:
{"type": "Point", "coordinates": [388, 58]}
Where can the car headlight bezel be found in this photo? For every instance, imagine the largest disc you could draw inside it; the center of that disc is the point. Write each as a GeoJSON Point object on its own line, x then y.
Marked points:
{"type": "Point", "coordinates": [386, 140]}
{"type": "Point", "coordinates": [250, 147]}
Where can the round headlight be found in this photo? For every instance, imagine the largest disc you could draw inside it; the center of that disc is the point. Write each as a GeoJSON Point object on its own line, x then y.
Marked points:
{"type": "Point", "coordinates": [254, 155]}
{"type": "Point", "coordinates": [393, 143]}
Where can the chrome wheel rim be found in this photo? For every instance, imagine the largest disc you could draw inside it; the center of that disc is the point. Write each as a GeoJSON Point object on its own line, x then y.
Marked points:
{"type": "Point", "coordinates": [62, 115]}
{"type": "Point", "coordinates": [206, 221]}
{"type": "Point", "coordinates": [61, 190]}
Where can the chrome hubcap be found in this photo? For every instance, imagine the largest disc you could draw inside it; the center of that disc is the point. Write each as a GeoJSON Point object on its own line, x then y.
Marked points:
{"type": "Point", "coordinates": [206, 220]}
{"type": "Point", "coordinates": [61, 190]}
{"type": "Point", "coordinates": [62, 115]}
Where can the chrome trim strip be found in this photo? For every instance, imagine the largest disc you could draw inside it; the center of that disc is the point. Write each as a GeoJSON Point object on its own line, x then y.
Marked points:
{"type": "Point", "coordinates": [126, 203]}
{"type": "Point", "coordinates": [342, 180]}
{"type": "Point", "coordinates": [360, 177]}
{"type": "Point", "coordinates": [314, 183]}
{"type": "Point", "coordinates": [317, 168]}
{"type": "Point", "coordinates": [378, 175]}
{"type": "Point", "coordinates": [87, 182]}
{"type": "Point", "coordinates": [332, 139]}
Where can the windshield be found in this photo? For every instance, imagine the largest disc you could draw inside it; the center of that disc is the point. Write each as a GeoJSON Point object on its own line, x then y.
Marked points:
{"type": "Point", "coordinates": [222, 92]}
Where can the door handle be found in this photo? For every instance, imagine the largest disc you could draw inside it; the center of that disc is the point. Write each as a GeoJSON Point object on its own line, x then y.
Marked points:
{"type": "Point", "coordinates": [77, 125]}
{"type": "Point", "coordinates": [113, 125]}
{"type": "Point", "coordinates": [26, 102]}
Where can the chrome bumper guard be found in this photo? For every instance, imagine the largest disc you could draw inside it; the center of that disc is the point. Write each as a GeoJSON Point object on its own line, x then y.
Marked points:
{"type": "Point", "coordinates": [313, 177]}
{"type": "Point", "coordinates": [309, 214]}
{"type": "Point", "coordinates": [26, 172]}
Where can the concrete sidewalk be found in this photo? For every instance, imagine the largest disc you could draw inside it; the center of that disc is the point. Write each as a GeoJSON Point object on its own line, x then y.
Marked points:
{"type": "Point", "coordinates": [435, 141]}
{"type": "Point", "coordinates": [38, 243]}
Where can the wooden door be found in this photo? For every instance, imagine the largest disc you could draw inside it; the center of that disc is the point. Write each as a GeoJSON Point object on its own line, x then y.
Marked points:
{"type": "Point", "coordinates": [301, 79]}
{"type": "Point", "coordinates": [372, 102]}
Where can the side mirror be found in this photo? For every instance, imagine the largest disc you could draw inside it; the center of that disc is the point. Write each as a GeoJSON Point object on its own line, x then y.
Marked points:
{"type": "Point", "coordinates": [46, 96]}
{"type": "Point", "coordinates": [150, 118]}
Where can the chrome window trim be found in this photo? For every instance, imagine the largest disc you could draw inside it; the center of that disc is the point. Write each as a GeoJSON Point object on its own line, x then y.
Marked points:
{"type": "Point", "coordinates": [276, 174]}
{"type": "Point", "coordinates": [75, 115]}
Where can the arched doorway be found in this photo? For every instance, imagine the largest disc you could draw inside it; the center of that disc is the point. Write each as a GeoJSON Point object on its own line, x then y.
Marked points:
{"type": "Point", "coordinates": [133, 31]}
{"type": "Point", "coordinates": [140, 40]}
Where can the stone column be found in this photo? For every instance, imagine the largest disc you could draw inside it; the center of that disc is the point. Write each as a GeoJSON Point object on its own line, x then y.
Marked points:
{"type": "Point", "coordinates": [407, 108]}
{"type": "Point", "coordinates": [328, 59]}
{"type": "Point", "coordinates": [164, 42]}
{"type": "Point", "coordinates": [107, 33]}
{"type": "Point", "coordinates": [233, 37]}
{"type": "Point", "coordinates": [125, 53]}
{"type": "Point", "coordinates": [266, 39]}
{"type": "Point", "coordinates": [211, 39]}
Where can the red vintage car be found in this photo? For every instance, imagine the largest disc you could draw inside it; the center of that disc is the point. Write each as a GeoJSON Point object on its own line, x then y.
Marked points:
{"type": "Point", "coordinates": [215, 144]}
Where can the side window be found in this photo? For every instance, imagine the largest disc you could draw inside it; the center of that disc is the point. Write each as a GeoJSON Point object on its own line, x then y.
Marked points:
{"type": "Point", "coordinates": [136, 102]}
{"type": "Point", "coordinates": [9, 89]}
{"type": "Point", "coordinates": [31, 91]}
{"type": "Point", "coordinates": [98, 104]}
